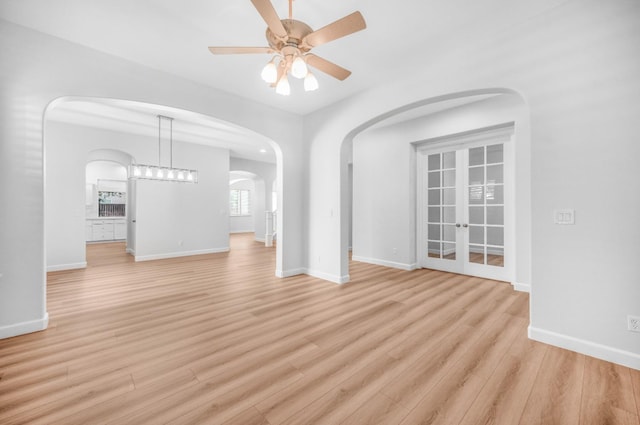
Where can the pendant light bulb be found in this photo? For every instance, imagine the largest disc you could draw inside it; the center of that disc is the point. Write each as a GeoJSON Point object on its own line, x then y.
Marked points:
{"type": "Point", "coordinates": [310, 82]}
{"type": "Point", "coordinates": [136, 171]}
{"type": "Point", "coordinates": [160, 173]}
{"type": "Point", "coordinates": [299, 67]}
{"type": "Point", "coordinates": [270, 72]}
{"type": "Point", "coordinates": [283, 86]}
{"type": "Point", "coordinates": [148, 173]}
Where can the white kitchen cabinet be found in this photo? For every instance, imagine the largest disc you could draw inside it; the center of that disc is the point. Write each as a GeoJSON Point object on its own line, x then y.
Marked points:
{"type": "Point", "coordinates": [106, 230]}
{"type": "Point", "coordinates": [120, 229]}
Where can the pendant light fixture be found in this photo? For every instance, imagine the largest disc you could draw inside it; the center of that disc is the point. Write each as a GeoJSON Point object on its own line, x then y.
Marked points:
{"type": "Point", "coordinates": [158, 172]}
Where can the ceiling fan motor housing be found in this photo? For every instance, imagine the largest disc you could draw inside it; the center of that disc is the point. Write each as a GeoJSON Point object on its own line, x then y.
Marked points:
{"type": "Point", "coordinates": [296, 31]}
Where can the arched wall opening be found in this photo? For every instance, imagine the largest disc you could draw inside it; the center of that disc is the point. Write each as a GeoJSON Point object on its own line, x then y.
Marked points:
{"type": "Point", "coordinates": [264, 176]}
{"type": "Point", "coordinates": [391, 137]}
{"type": "Point", "coordinates": [106, 203]}
{"type": "Point", "coordinates": [247, 200]}
{"type": "Point", "coordinates": [150, 206]}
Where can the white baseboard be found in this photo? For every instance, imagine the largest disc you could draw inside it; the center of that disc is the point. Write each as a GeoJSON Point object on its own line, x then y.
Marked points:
{"type": "Point", "coordinates": [377, 262]}
{"type": "Point", "coordinates": [261, 240]}
{"type": "Point", "coordinates": [131, 251]}
{"type": "Point", "coordinates": [521, 287]}
{"type": "Point", "coordinates": [327, 276]}
{"type": "Point", "coordinates": [233, 232]}
{"type": "Point", "coordinates": [24, 327]}
{"type": "Point", "coordinates": [179, 254]}
{"type": "Point", "coordinates": [71, 266]}
{"type": "Point", "coordinates": [289, 273]}
{"type": "Point", "coordinates": [604, 352]}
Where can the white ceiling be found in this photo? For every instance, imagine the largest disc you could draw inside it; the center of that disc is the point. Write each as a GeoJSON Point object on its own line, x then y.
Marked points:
{"type": "Point", "coordinates": [173, 36]}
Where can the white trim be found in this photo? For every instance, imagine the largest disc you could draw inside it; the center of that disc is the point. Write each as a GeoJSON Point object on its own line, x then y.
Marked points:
{"type": "Point", "coordinates": [257, 239]}
{"type": "Point", "coordinates": [24, 327]}
{"type": "Point", "coordinates": [71, 266]}
{"type": "Point", "coordinates": [500, 133]}
{"type": "Point", "coordinates": [179, 254]}
{"type": "Point", "coordinates": [233, 232]}
{"type": "Point", "coordinates": [131, 251]}
{"type": "Point", "coordinates": [288, 273]}
{"type": "Point", "coordinates": [385, 263]}
{"type": "Point", "coordinates": [330, 277]}
{"type": "Point", "coordinates": [521, 287]}
{"type": "Point", "coordinates": [593, 349]}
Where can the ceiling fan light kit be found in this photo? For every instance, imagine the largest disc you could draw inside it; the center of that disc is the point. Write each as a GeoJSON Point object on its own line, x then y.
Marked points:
{"type": "Point", "coordinates": [292, 41]}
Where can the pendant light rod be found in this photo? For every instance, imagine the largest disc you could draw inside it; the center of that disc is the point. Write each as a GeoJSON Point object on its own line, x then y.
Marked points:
{"type": "Point", "coordinates": [290, 9]}
{"type": "Point", "coordinates": [159, 141]}
{"type": "Point", "coordinates": [160, 117]}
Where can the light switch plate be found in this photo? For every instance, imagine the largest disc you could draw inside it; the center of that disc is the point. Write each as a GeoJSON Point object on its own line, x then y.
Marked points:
{"type": "Point", "coordinates": [566, 216]}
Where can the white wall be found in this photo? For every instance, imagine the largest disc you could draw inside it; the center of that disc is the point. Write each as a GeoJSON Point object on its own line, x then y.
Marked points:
{"type": "Point", "coordinates": [577, 69]}
{"type": "Point", "coordinates": [245, 224]}
{"type": "Point", "coordinates": [172, 219]}
{"type": "Point", "coordinates": [35, 70]}
{"type": "Point", "coordinates": [385, 182]}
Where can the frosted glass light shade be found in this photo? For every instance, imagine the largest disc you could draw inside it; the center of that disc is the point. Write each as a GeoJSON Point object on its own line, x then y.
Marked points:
{"type": "Point", "coordinates": [154, 172]}
{"type": "Point", "coordinates": [310, 82]}
{"type": "Point", "coordinates": [283, 86]}
{"type": "Point", "coordinates": [299, 67]}
{"type": "Point", "coordinates": [270, 72]}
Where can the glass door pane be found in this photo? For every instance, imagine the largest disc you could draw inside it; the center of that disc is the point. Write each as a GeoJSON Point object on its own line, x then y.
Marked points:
{"type": "Point", "coordinates": [441, 206]}
{"type": "Point", "coordinates": [485, 205]}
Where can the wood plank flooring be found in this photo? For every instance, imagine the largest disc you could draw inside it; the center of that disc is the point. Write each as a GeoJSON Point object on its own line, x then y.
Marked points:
{"type": "Point", "coordinates": [217, 339]}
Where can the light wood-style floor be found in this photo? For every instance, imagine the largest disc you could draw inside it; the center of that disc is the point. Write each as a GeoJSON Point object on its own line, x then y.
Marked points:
{"type": "Point", "coordinates": [217, 339]}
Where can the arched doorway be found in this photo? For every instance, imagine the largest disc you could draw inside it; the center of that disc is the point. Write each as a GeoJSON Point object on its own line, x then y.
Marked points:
{"type": "Point", "coordinates": [76, 127]}
{"type": "Point", "coordinates": [386, 145]}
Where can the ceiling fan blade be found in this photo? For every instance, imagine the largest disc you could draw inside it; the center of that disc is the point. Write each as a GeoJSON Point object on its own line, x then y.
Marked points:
{"type": "Point", "coordinates": [327, 67]}
{"type": "Point", "coordinates": [239, 50]}
{"type": "Point", "coordinates": [340, 28]}
{"type": "Point", "coordinates": [270, 16]}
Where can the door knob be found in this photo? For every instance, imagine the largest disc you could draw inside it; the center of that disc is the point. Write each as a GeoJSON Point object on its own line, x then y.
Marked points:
{"type": "Point", "coordinates": [465, 225]}
{"type": "Point", "coordinates": [457, 224]}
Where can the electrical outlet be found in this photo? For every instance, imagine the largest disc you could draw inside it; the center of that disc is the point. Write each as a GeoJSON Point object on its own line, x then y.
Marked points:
{"type": "Point", "coordinates": [633, 323]}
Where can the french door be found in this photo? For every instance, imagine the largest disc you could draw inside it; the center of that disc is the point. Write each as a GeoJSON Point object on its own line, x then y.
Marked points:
{"type": "Point", "coordinates": [464, 210]}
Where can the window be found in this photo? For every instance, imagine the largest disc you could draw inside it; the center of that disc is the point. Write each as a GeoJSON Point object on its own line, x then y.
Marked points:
{"type": "Point", "coordinates": [111, 204]}
{"type": "Point", "coordinates": [239, 202]}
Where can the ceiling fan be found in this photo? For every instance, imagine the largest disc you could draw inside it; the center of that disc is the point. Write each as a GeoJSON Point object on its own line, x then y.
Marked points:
{"type": "Point", "coordinates": [291, 41]}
